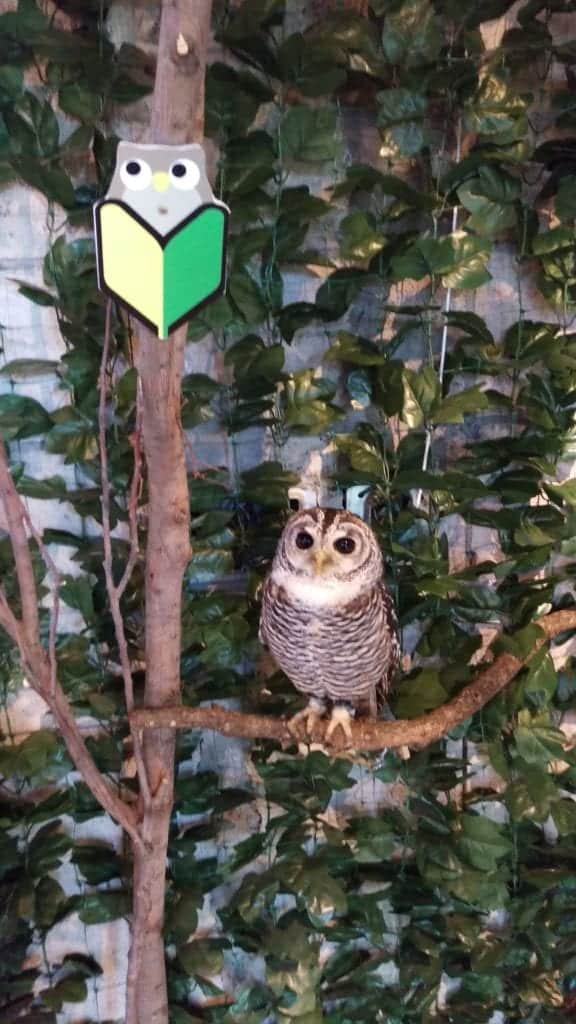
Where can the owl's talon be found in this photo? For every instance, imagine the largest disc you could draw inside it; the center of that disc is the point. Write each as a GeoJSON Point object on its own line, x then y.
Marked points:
{"type": "Point", "coordinates": [340, 719]}
{"type": "Point", "coordinates": [310, 715]}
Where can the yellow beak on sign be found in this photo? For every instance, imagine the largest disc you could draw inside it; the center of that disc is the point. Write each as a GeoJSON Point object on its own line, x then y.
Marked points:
{"type": "Point", "coordinates": [321, 559]}
{"type": "Point", "coordinates": [160, 181]}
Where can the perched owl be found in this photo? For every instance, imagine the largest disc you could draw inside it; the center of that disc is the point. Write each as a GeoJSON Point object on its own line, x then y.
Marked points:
{"type": "Point", "coordinates": [163, 185]}
{"type": "Point", "coordinates": [327, 619]}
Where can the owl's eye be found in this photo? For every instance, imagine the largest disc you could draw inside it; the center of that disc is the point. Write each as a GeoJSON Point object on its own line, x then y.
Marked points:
{"type": "Point", "coordinates": [344, 545]}
{"type": "Point", "coordinates": [184, 174]}
{"type": "Point", "coordinates": [135, 174]}
{"type": "Point", "coordinates": [304, 540]}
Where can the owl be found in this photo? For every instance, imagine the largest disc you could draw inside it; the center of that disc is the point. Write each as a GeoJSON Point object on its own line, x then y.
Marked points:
{"type": "Point", "coordinates": [162, 185]}
{"type": "Point", "coordinates": [327, 618]}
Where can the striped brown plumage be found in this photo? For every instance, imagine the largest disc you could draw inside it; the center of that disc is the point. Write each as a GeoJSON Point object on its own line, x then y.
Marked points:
{"type": "Point", "coordinates": [342, 648]}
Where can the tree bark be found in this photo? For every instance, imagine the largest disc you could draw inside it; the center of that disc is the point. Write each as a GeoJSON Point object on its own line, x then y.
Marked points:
{"type": "Point", "coordinates": [177, 117]}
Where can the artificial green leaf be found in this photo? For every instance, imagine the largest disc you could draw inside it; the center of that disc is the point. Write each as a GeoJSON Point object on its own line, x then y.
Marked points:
{"type": "Point", "coordinates": [247, 297]}
{"type": "Point", "coordinates": [422, 693]}
{"type": "Point", "coordinates": [311, 65]}
{"type": "Point", "coordinates": [182, 916]}
{"type": "Point", "coordinates": [22, 417]}
{"type": "Point", "coordinates": [541, 680]}
{"type": "Point", "coordinates": [34, 754]}
{"type": "Point", "coordinates": [536, 740]}
{"type": "Point", "coordinates": [401, 119]}
{"type": "Point", "coordinates": [338, 291]}
{"type": "Point", "coordinates": [97, 862]}
{"type": "Point", "coordinates": [50, 899]}
{"type": "Point", "coordinates": [349, 348]}
{"type": "Point", "coordinates": [496, 111]}
{"type": "Point", "coordinates": [565, 202]}
{"type": "Point", "coordinates": [361, 239]}
{"type": "Point", "coordinates": [308, 403]}
{"type": "Point", "coordinates": [453, 408]}
{"type": "Point", "coordinates": [69, 990]}
{"type": "Point", "coordinates": [564, 814]}
{"type": "Point", "coordinates": [100, 907]}
{"type": "Point", "coordinates": [490, 199]}
{"type": "Point", "coordinates": [77, 100]}
{"type": "Point", "coordinates": [47, 849]}
{"type": "Point", "coordinates": [41, 298]}
{"type": "Point", "coordinates": [322, 896]}
{"type": "Point", "coordinates": [412, 34]}
{"type": "Point", "coordinates": [202, 957]}
{"type": "Point", "coordinates": [76, 592]}
{"type": "Point", "coordinates": [482, 842]}
{"type": "Point", "coordinates": [249, 163]}
{"type": "Point", "coordinates": [458, 260]}
{"type": "Point", "coordinates": [310, 134]}
{"type": "Point", "coordinates": [232, 100]}
{"type": "Point", "coordinates": [207, 564]}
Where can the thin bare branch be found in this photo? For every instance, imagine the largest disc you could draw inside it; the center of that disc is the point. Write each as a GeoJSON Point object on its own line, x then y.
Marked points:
{"type": "Point", "coordinates": [15, 517]}
{"type": "Point", "coordinates": [55, 603]}
{"type": "Point", "coordinates": [368, 733]}
{"type": "Point", "coordinates": [135, 487]}
{"type": "Point", "coordinates": [114, 592]}
{"type": "Point", "coordinates": [122, 812]}
{"type": "Point", "coordinates": [9, 622]}
{"type": "Point", "coordinates": [106, 531]}
{"type": "Point", "coordinates": [37, 662]}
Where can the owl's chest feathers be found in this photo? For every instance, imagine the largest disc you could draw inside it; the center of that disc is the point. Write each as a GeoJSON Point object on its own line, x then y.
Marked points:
{"type": "Point", "coordinates": [318, 595]}
{"type": "Point", "coordinates": [322, 636]}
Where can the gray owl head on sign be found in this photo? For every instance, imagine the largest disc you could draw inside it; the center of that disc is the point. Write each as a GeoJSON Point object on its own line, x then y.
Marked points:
{"type": "Point", "coordinates": [161, 185]}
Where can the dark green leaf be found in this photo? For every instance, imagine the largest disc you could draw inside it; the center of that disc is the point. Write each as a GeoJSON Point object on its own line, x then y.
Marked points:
{"type": "Point", "coordinates": [22, 417]}
{"type": "Point", "coordinates": [78, 101]}
{"type": "Point", "coordinates": [401, 120]}
{"type": "Point", "coordinates": [47, 849]}
{"type": "Point", "coordinates": [309, 134]}
{"type": "Point", "coordinates": [76, 592]}
{"type": "Point", "coordinates": [100, 907]}
{"type": "Point", "coordinates": [412, 35]}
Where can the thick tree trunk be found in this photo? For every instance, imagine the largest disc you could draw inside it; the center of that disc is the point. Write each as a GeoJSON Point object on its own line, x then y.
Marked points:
{"type": "Point", "coordinates": [177, 116]}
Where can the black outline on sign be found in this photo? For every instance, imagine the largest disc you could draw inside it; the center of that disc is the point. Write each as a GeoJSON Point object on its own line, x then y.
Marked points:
{"type": "Point", "coordinates": [163, 242]}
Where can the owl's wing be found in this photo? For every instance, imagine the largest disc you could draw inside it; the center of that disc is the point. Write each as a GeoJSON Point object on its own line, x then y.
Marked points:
{"type": "Point", "coordinates": [266, 596]}
{"type": "Point", "coordinates": [392, 648]}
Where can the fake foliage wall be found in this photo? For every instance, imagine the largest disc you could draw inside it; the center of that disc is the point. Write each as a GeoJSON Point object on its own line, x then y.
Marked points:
{"type": "Point", "coordinates": [455, 902]}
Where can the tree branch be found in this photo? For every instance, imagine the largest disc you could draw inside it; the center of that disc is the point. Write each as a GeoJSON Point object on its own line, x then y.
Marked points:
{"type": "Point", "coordinates": [55, 606]}
{"type": "Point", "coordinates": [136, 441]}
{"type": "Point", "coordinates": [367, 733]}
{"type": "Point", "coordinates": [26, 583]}
{"type": "Point", "coordinates": [115, 592]}
{"type": "Point", "coordinates": [39, 665]}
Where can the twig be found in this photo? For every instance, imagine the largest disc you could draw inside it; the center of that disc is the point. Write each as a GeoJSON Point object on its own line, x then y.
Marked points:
{"type": "Point", "coordinates": [369, 733]}
{"type": "Point", "coordinates": [14, 510]}
{"type": "Point", "coordinates": [115, 592]}
{"type": "Point", "coordinates": [55, 607]}
{"type": "Point", "coordinates": [36, 662]}
{"type": "Point", "coordinates": [135, 487]}
{"type": "Point", "coordinates": [10, 623]}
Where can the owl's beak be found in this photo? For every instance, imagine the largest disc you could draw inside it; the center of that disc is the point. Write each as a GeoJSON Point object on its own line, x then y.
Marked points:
{"type": "Point", "coordinates": [160, 181]}
{"type": "Point", "coordinates": [321, 559]}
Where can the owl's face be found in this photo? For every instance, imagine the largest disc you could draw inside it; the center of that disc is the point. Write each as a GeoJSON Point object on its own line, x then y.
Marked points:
{"type": "Point", "coordinates": [326, 552]}
{"type": "Point", "coordinates": [163, 184]}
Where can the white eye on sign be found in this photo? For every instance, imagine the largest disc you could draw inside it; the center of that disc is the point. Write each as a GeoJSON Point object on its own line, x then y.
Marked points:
{"type": "Point", "coordinates": [184, 174]}
{"type": "Point", "coordinates": [136, 174]}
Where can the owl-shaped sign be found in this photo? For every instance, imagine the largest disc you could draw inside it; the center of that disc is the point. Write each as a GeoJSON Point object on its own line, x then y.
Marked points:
{"type": "Point", "coordinates": [161, 234]}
